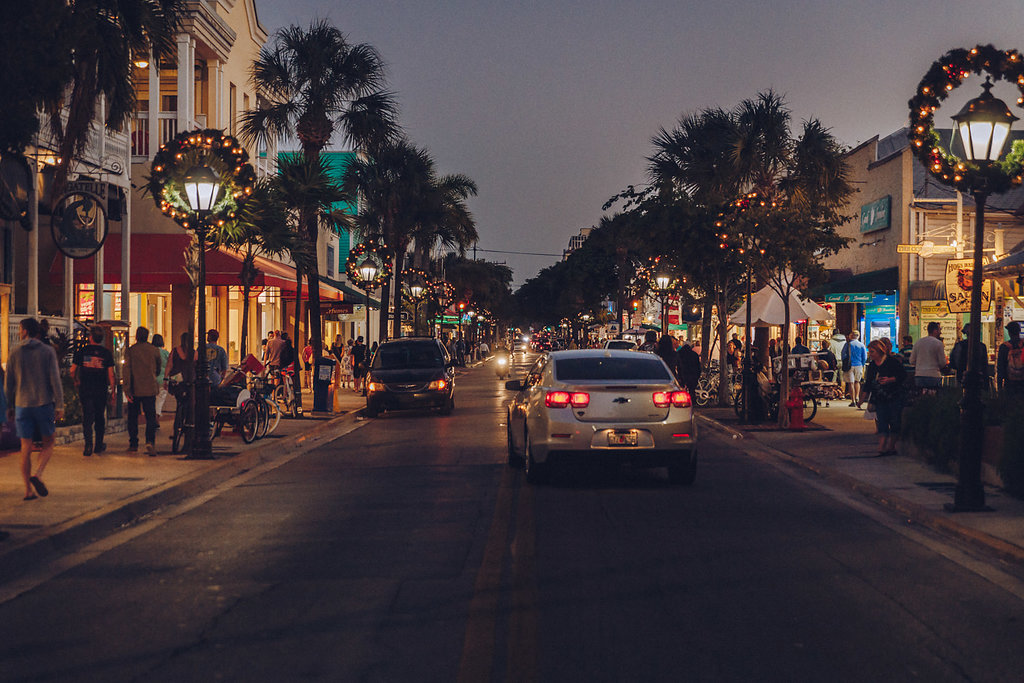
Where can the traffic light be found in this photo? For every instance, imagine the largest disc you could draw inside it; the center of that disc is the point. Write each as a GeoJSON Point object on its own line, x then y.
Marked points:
{"type": "Point", "coordinates": [636, 305]}
{"type": "Point", "coordinates": [462, 306]}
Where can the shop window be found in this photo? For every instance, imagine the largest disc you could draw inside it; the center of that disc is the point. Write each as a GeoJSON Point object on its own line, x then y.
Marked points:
{"type": "Point", "coordinates": [330, 260]}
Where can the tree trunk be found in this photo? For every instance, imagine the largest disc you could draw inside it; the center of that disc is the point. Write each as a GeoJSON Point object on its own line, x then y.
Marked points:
{"type": "Point", "coordinates": [248, 276]}
{"type": "Point", "coordinates": [723, 364]}
{"type": "Point", "coordinates": [705, 332]}
{"type": "Point", "coordinates": [784, 373]}
{"type": "Point", "coordinates": [399, 265]}
{"type": "Point", "coordinates": [298, 304]}
{"type": "Point", "coordinates": [382, 328]}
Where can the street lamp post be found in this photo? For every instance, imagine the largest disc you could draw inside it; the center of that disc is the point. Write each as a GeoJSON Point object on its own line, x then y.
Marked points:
{"type": "Point", "coordinates": [416, 291]}
{"type": "Point", "coordinates": [367, 271]}
{"type": "Point", "coordinates": [984, 126]}
{"type": "Point", "coordinates": [202, 186]}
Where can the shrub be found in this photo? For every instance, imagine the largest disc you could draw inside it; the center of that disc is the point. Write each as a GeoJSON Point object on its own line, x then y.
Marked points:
{"type": "Point", "coordinates": [1011, 464]}
{"type": "Point", "coordinates": [932, 423]}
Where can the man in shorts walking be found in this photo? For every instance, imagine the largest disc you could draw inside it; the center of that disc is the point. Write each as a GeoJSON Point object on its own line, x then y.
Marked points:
{"type": "Point", "coordinates": [856, 354]}
{"type": "Point", "coordinates": [36, 397]}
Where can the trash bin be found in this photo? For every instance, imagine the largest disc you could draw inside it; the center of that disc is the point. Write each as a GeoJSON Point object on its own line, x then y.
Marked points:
{"type": "Point", "coordinates": [323, 373]}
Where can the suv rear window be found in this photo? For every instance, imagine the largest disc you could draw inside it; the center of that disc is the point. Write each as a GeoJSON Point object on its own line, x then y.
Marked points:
{"type": "Point", "coordinates": [601, 369]}
{"type": "Point", "coordinates": [401, 356]}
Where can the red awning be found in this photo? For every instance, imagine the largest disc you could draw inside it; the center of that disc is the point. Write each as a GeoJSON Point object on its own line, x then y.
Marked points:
{"type": "Point", "coordinates": [158, 261]}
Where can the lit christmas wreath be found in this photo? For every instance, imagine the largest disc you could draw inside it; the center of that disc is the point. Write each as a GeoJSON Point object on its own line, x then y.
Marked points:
{"type": "Point", "coordinates": [223, 154]}
{"type": "Point", "coordinates": [377, 253]}
{"type": "Point", "coordinates": [444, 292]}
{"type": "Point", "coordinates": [411, 276]}
{"type": "Point", "coordinates": [944, 76]}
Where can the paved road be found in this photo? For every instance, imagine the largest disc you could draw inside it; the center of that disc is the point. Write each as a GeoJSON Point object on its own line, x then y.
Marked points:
{"type": "Point", "coordinates": [407, 551]}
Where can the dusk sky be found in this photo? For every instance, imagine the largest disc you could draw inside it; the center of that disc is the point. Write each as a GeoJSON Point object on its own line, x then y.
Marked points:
{"type": "Point", "coordinates": [550, 106]}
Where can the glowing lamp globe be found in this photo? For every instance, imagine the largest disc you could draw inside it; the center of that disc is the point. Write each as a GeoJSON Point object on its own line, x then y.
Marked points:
{"type": "Point", "coordinates": [202, 186]}
{"type": "Point", "coordinates": [984, 125]}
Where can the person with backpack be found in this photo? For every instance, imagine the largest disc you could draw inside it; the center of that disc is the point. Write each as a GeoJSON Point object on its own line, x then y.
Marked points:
{"type": "Point", "coordinates": [1010, 362]}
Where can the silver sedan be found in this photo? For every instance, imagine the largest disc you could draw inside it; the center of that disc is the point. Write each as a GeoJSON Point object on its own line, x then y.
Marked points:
{"type": "Point", "coordinates": [602, 404]}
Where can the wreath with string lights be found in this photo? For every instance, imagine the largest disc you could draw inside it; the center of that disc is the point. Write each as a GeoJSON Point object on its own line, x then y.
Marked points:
{"type": "Point", "coordinates": [223, 154]}
{"type": "Point", "coordinates": [408, 277]}
{"type": "Point", "coordinates": [444, 292]}
{"type": "Point", "coordinates": [944, 76]}
{"type": "Point", "coordinates": [377, 253]}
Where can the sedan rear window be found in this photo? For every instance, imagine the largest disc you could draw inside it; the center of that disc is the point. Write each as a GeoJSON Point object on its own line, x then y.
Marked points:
{"type": "Point", "coordinates": [601, 369]}
{"type": "Point", "coordinates": [400, 356]}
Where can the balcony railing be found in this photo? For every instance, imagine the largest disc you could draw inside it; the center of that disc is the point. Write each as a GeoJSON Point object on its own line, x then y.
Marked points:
{"type": "Point", "coordinates": [143, 147]}
{"type": "Point", "coordinates": [105, 149]}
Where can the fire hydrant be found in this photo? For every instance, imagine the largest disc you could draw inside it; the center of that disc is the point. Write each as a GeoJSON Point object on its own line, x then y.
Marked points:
{"type": "Point", "coordinates": [795, 405]}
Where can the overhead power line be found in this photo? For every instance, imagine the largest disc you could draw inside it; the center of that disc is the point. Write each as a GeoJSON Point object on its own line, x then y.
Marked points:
{"type": "Point", "coordinates": [521, 253]}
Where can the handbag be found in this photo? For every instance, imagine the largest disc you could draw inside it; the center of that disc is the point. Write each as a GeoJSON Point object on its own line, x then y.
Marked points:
{"type": "Point", "coordinates": [869, 414]}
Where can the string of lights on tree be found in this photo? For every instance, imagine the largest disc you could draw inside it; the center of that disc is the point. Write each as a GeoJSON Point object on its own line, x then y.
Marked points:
{"type": "Point", "coordinates": [655, 266]}
{"type": "Point", "coordinates": [376, 252]}
{"type": "Point", "coordinates": [943, 77]}
{"type": "Point", "coordinates": [738, 224]}
{"type": "Point", "coordinates": [223, 154]}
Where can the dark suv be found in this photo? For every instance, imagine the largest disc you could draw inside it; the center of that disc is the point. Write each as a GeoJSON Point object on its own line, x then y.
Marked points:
{"type": "Point", "coordinates": [411, 372]}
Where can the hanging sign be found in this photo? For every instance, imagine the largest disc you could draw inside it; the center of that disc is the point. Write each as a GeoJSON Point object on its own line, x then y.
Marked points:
{"type": "Point", "coordinates": [959, 282]}
{"type": "Point", "coordinates": [79, 223]}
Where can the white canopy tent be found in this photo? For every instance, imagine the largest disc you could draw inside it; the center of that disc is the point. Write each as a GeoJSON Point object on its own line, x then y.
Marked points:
{"type": "Point", "coordinates": [766, 308]}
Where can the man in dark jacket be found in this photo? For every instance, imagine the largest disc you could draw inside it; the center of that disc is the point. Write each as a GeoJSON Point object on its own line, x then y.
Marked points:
{"type": "Point", "coordinates": [689, 367]}
{"type": "Point", "coordinates": [93, 371]}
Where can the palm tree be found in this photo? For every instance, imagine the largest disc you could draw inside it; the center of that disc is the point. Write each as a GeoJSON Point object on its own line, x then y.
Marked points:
{"type": "Point", "coordinates": [260, 228]}
{"type": "Point", "coordinates": [717, 156]}
{"type": "Point", "coordinates": [393, 184]}
{"type": "Point", "coordinates": [318, 84]}
{"type": "Point", "coordinates": [102, 39]}
{"type": "Point", "coordinates": [305, 188]}
{"type": "Point", "coordinates": [446, 220]}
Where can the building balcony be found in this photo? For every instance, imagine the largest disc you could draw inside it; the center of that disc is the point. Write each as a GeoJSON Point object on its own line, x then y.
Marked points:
{"type": "Point", "coordinates": [145, 145]}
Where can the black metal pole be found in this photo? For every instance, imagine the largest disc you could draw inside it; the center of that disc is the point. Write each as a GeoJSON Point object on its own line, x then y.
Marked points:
{"type": "Point", "coordinates": [201, 447]}
{"type": "Point", "coordinates": [970, 494]}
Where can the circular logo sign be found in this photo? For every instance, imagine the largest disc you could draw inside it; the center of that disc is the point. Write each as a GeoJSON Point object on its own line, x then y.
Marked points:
{"type": "Point", "coordinates": [79, 224]}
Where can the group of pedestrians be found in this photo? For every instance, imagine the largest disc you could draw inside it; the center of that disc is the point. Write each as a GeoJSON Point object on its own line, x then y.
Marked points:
{"type": "Point", "coordinates": [352, 358]}
{"type": "Point", "coordinates": [680, 357]}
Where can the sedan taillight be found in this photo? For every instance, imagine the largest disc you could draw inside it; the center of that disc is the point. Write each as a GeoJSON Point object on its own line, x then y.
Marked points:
{"type": "Point", "coordinates": [677, 399]}
{"type": "Point", "coordinates": [563, 399]}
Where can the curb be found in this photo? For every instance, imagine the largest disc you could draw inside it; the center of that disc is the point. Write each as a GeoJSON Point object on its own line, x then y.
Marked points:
{"type": "Point", "coordinates": [914, 513]}
{"type": "Point", "coordinates": [77, 532]}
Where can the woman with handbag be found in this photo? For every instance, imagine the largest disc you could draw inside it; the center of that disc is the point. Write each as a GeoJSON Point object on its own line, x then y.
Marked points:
{"type": "Point", "coordinates": [884, 388]}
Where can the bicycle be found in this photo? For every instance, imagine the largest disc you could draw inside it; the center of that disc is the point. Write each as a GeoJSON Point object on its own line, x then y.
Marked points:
{"type": "Point", "coordinates": [284, 394]}
{"type": "Point", "coordinates": [268, 411]}
{"type": "Point", "coordinates": [181, 434]}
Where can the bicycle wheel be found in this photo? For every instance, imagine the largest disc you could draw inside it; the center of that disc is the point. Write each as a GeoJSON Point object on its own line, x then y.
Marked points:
{"type": "Point", "coordinates": [810, 408]}
{"type": "Point", "coordinates": [263, 415]}
{"type": "Point", "coordinates": [281, 398]}
{"type": "Point", "coordinates": [248, 421]}
{"type": "Point", "coordinates": [273, 414]}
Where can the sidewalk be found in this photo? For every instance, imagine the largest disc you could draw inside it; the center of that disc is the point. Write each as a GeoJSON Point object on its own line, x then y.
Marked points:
{"type": "Point", "coordinates": [93, 496]}
{"type": "Point", "coordinates": [841, 447]}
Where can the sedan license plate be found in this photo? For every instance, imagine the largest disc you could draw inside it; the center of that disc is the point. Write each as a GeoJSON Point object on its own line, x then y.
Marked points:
{"type": "Point", "coordinates": [622, 437]}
